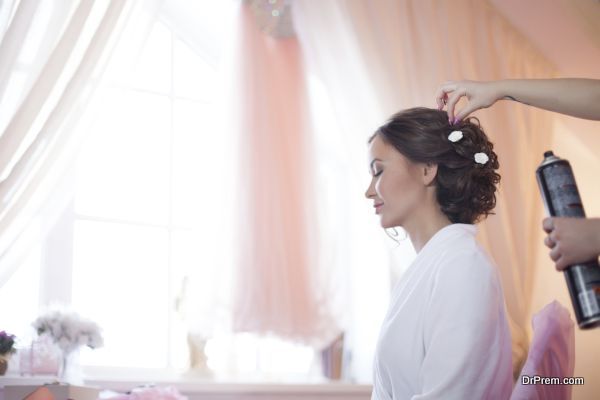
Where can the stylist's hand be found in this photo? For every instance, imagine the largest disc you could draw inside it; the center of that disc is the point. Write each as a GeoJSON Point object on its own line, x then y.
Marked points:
{"type": "Point", "coordinates": [572, 240]}
{"type": "Point", "coordinates": [479, 94]}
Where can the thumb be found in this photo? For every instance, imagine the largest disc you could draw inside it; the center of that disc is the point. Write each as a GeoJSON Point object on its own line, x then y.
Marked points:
{"type": "Point", "coordinates": [465, 111]}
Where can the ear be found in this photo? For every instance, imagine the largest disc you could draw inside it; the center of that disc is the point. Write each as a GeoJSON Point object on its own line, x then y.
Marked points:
{"type": "Point", "coordinates": [429, 173]}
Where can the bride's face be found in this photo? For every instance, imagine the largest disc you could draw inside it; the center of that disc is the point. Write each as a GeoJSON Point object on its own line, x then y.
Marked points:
{"type": "Point", "coordinates": [398, 185]}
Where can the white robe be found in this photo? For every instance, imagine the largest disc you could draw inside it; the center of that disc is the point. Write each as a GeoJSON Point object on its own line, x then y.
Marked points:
{"type": "Point", "coordinates": [445, 335]}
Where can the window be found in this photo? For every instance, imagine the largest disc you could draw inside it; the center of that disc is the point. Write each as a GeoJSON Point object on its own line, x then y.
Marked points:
{"type": "Point", "coordinates": [146, 245]}
{"type": "Point", "coordinates": [148, 180]}
{"type": "Point", "coordinates": [24, 285]}
{"type": "Point", "coordinates": [154, 180]}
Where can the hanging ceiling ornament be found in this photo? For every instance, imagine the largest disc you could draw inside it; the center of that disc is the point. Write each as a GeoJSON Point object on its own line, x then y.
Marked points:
{"type": "Point", "coordinates": [274, 17]}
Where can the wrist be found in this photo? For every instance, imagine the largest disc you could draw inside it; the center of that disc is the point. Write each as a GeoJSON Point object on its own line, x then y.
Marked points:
{"type": "Point", "coordinates": [596, 235]}
{"type": "Point", "coordinates": [501, 89]}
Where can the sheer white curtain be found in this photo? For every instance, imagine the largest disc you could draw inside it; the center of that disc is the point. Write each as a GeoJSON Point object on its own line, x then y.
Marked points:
{"type": "Point", "coordinates": [46, 82]}
{"type": "Point", "coordinates": [380, 56]}
{"type": "Point", "coordinates": [362, 259]}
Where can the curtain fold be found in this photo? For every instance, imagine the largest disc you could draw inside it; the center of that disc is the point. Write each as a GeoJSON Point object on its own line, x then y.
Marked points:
{"type": "Point", "coordinates": [10, 43]}
{"type": "Point", "coordinates": [40, 96]}
{"type": "Point", "coordinates": [396, 53]}
{"type": "Point", "coordinates": [277, 289]}
{"type": "Point", "coordinates": [43, 125]}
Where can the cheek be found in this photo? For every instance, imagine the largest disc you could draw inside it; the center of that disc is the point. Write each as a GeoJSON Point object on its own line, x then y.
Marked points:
{"type": "Point", "coordinates": [397, 189]}
{"type": "Point", "coordinates": [388, 189]}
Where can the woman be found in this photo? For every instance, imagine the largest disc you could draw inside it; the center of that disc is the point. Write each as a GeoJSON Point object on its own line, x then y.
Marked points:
{"type": "Point", "coordinates": [445, 335]}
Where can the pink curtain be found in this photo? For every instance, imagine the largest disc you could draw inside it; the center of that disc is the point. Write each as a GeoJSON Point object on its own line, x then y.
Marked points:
{"type": "Point", "coordinates": [277, 289]}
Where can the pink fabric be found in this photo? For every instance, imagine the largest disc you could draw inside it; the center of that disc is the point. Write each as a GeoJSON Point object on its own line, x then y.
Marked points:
{"type": "Point", "coordinates": [277, 286]}
{"type": "Point", "coordinates": [551, 354]}
{"type": "Point", "coordinates": [41, 393]}
{"type": "Point", "coordinates": [153, 393]}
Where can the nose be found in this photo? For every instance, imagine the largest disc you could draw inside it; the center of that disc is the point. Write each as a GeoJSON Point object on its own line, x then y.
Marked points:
{"type": "Point", "coordinates": [370, 193]}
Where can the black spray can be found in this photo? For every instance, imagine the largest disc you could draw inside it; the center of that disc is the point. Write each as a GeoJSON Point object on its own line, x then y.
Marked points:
{"type": "Point", "coordinates": [561, 199]}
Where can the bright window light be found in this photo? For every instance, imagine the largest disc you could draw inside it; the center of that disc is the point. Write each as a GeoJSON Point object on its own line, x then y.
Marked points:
{"type": "Point", "coordinates": [152, 244]}
{"type": "Point", "coordinates": [119, 281]}
{"type": "Point", "coordinates": [124, 167]}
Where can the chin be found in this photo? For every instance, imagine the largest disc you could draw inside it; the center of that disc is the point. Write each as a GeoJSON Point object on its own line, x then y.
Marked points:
{"type": "Point", "coordinates": [386, 223]}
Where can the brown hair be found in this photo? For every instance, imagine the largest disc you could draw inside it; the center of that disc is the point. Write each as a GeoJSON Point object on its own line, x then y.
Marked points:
{"type": "Point", "coordinates": [465, 190]}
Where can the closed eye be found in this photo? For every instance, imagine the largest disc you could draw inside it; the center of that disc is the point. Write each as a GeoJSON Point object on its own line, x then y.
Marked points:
{"type": "Point", "coordinates": [378, 173]}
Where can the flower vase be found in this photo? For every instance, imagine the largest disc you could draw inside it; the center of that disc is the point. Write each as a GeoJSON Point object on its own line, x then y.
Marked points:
{"type": "Point", "coordinates": [4, 363]}
{"type": "Point", "coordinates": [197, 352]}
{"type": "Point", "coordinates": [70, 369]}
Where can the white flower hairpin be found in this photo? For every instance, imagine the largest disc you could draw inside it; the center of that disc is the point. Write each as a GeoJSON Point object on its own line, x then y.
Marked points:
{"type": "Point", "coordinates": [455, 136]}
{"type": "Point", "coordinates": [481, 158]}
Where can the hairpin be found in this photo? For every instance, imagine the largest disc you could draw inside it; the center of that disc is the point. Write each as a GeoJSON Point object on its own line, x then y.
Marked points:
{"type": "Point", "coordinates": [455, 136]}
{"type": "Point", "coordinates": [481, 158]}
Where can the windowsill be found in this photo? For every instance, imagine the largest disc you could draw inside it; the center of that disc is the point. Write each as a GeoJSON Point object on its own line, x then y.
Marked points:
{"type": "Point", "coordinates": [192, 386]}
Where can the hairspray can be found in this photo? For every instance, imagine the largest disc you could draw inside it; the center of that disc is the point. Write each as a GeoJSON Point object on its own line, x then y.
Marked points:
{"type": "Point", "coordinates": [561, 199]}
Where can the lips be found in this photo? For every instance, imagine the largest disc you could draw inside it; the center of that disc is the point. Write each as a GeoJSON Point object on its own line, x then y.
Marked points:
{"type": "Point", "coordinates": [377, 207]}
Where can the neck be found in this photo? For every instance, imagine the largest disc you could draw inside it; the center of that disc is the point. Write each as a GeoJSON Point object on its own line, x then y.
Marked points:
{"type": "Point", "coordinates": [420, 230]}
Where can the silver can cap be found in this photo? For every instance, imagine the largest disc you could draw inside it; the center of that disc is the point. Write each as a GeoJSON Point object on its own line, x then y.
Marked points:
{"type": "Point", "coordinates": [549, 158]}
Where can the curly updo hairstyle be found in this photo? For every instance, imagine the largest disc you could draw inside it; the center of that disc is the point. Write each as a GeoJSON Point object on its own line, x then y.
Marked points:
{"type": "Point", "coordinates": [465, 190]}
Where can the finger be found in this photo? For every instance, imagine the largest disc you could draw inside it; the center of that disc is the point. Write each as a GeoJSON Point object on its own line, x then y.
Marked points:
{"type": "Point", "coordinates": [452, 100]}
{"type": "Point", "coordinates": [466, 110]}
{"type": "Point", "coordinates": [555, 254]}
{"type": "Point", "coordinates": [549, 242]}
{"type": "Point", "coordinates": [561, 264]}
{"type": "Point", "coordinates": [548, 224]}
{"type": "Point", "coordinates": [441, 102]}
{"type": "Point", "coordinates": [442, 93]}
{"type": "Point", "coordinates": [445, 88]}
{"type": "Point", "coordinates": [439, 99]}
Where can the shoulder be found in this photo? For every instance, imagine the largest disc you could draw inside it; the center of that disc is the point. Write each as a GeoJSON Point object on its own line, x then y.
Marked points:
{"type": "Point", "coordinates": [463, 249]}
{"type": "Point", "coordinates": [465, 285]}
{"type": "Point", "coordinates": [463, 263]}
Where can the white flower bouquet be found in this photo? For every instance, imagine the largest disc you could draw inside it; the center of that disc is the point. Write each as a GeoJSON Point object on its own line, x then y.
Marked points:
{"type": "Point", "coordinates": [69, 330]}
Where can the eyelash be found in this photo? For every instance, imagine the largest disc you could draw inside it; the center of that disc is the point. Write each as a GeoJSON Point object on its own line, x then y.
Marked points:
{"type": "Point", "coordinates": [378, 173]}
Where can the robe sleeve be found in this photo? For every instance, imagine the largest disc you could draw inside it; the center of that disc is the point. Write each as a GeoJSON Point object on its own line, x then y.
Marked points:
{"type": "Point", "coordinates": [466, 338]}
